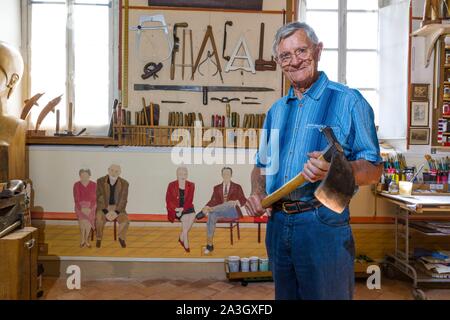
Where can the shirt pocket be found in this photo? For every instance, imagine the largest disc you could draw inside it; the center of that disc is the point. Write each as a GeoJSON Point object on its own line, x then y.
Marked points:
{"type": "Point", "coordinates": [337, 130]}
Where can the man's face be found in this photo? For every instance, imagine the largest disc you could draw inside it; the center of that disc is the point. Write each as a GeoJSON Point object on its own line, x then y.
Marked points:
{"type": "Point", "coordinates": [226, 175]}
{"type": "Point", "coordinates": [298, 58]}
{"type": "Point", "coordinates": [114, 171]}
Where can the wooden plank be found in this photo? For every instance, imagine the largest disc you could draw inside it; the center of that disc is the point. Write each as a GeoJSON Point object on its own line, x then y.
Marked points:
{"type": "Point", "coordinates": [159, 8]}
{"type": "Point", "coordinates": [90, 140]}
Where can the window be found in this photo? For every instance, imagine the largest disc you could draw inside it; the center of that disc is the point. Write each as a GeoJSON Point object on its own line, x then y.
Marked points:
{"type": "Point", "coordinates": [72, 52]}
{"type": "Point", "coordinates": [349, 32]}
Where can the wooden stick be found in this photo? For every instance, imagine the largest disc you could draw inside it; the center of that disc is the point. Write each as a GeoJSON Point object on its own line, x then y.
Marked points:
{"type": "Point", "coordinates": [69, 127]}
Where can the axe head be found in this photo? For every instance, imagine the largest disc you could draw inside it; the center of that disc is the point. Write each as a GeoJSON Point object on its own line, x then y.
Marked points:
{"type": "Point", "coordinates": [337, 189]}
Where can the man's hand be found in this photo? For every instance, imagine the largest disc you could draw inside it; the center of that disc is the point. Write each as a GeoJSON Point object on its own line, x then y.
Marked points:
{"type": "Point", "coordinates": [315, 169]}
{"type": "Point", "coordinates": [254, 207]}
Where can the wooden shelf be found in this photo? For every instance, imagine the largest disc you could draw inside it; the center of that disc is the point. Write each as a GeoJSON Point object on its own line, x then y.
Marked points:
{"type": "Point", "coordinates": [446, 117]}
{"type": "Point", "coordinates": [82, 140]}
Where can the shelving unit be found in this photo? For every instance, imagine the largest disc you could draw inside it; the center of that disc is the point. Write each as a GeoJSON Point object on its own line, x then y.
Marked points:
{"type": "Point", "coordinates": [442, 72]}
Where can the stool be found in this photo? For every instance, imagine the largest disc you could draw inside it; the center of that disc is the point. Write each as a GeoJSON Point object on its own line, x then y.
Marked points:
{"type": "Point", "coordinates": [259, 221]}
{"type": "Point", "coordinates": [234, 222]}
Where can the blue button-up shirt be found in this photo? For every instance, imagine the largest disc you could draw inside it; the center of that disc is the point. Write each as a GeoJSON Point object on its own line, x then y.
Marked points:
{"type": "Point", "coordinates": [292, 131]}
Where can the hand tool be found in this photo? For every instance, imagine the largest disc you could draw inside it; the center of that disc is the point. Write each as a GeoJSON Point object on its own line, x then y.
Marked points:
{"type": "Point", "coordinates": [208, 35]}
{"type": "Point", "coordinates": [336, 190]}
{"type": "Point", "coordinates": [225, 99]}
{"type": "Point", "coordinates": [209, 55]}
{"type": "Point", "coordinates": [176, 47]}
{"type": "Point", "coordinates": [204, 89]}
{"type": "Point", "coordinates": [200, 118]}
{"type": "Point", "coordinates": [172, 101]}
{"type": "Point", "coordinates": [250, 102]}
{"type": "Point", "coordinates": [227, 23]}
{"type": "Point", "coordinates": [29, 103]}
{"type": "Point", "coordinates": [260, 63]}
{"type": "Point", "coordinates": [151, 69]}
{"type": "Point", "coordinates": [159, 18]}
{"type": "Point", "coordinates": [49, 107]}
{"type": "Point", "coordinates": [247, 56]}
{"type": "Point", "coordinates": [228, 113]}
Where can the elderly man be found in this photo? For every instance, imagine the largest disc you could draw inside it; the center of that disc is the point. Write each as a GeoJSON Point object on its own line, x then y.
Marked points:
{"type": "Point", "coordinates": [225, 203]}
{"type": "Point", "coordinates": [112, 197]}
{"type": "Point", "coordinates": [311, 248]}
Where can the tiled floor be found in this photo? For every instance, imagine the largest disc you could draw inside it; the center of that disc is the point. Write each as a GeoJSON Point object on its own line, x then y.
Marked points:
{"type": "Point", "coordinates": [210, 289]}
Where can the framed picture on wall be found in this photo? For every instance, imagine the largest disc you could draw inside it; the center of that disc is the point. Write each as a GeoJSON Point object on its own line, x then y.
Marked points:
{"type": "Point", "coordinates": [419, 91]}
{"type": "Point", "coordinates": [419, 136]}
{"type": "Point", "coordinates": [419, 114]}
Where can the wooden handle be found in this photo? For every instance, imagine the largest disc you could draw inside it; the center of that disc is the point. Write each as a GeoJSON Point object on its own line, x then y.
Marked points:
{"type": "Point", "coordinates": [285, 189]}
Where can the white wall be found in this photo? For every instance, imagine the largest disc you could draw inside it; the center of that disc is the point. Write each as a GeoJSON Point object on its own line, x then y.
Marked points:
{"type": "Point", "coordinates": [10, 31]}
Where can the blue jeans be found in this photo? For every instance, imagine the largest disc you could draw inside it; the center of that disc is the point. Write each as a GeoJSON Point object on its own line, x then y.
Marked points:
{"type": "Point", "coordinates": [311, 255]}
{"type": "Point", "coordinates": [225, 210]}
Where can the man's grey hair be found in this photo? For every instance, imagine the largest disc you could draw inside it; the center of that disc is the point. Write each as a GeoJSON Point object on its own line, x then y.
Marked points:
{"type": "Point", "coordinates": [288, 29]}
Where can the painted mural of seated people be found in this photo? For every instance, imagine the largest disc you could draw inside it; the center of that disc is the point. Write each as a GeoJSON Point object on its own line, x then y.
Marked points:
{"type": "Point", "coordinates": [112, 197]}
{"type": "Point", "coordinates": [84, 195]}
{"type": "Point", "coordinates": [179, 198]}
{"type": "Point", "coordinates": [226, 202]}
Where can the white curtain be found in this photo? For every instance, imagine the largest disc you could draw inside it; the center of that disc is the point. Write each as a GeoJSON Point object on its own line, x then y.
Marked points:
{"type": "Point", "coordinates": [393, 37]}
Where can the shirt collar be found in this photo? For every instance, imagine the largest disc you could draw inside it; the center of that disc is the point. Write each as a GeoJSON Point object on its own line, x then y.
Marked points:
{"type": "Point", "coordinates": [315, 91]}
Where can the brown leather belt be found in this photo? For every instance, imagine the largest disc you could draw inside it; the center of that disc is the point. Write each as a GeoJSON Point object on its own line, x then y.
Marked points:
{"type": "Point", "coordinates": [293, 207]}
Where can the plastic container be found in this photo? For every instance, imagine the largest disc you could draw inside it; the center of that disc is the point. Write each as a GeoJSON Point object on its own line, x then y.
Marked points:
{"type": "Point", "coordinates": [233, 263]}
{"type": "Point", "coordinates": [245, 264]}
{"type": "Point", "coordinates": [263, 264]}
{"type": "Point", "coordinates": [254, 261]}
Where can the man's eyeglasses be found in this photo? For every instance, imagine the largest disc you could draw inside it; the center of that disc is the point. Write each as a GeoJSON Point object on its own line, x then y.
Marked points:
{"type": "Point", "coordinates": [285, 59]}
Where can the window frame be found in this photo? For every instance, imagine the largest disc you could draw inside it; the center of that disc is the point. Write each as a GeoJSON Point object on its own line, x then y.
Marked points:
{"type": "Point", "coordinates": [342, 49]}
{"type": "Point", "coordinates": [113, 74]}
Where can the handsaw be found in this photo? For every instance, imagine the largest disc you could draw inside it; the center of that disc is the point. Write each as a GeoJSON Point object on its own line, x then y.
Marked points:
{"type": "Point", "coordinates": [49, 107]}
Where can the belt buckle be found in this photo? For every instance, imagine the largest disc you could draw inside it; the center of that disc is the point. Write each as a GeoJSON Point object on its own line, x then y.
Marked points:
{"type": "Point", "coordinates": [283, 207]}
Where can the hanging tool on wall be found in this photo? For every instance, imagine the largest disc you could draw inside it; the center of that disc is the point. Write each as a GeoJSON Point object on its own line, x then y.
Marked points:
{"type": "Point", "coordinates": [176, 47]}
{"type": "Point", "coordinates": [225, 99]}
{"type": "Point", "coordinates": [250, 102]}
{"type": "Point", "coordinates": [230, 65]}
{"type": "Point", "coordinates": [173, 101]}
{"type": "Point", "coordinates": [157, 18]}
{"type": "Point", "coordinates": [209, 56]}
{"type": "Point", "coordinates": [260, 63]}
{"type": "Point", "coordinates": [151, 69]}
{"type": "Point", "coordinates": [203, 89]}
{"type": "Point", "coordinates": [183, 64]}
{"type": "Point", "coordinates": [208, 35]}
{"type": "Point", "coordinates": [227, 23]}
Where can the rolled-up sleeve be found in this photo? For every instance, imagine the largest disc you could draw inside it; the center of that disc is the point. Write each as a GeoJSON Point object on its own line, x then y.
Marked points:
{"type": "Point", "coordinates": [365, 143]}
